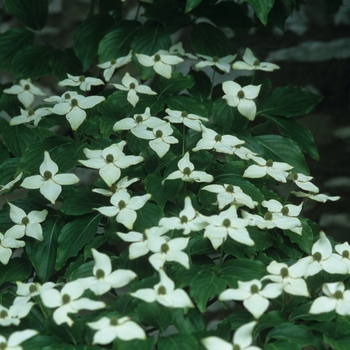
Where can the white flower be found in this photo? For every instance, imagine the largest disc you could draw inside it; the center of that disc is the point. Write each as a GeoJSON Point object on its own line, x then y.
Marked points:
{"type": "Point", "coordinates": [242, 340]}
{"type": "Point", "coordinates": [25, 291]}
{"type": "Point", "coordinates": [255, 298]}
{"type": "Point", "coordinates": [25, 92]}
{"type": "Point", "coordinates": [165, 249]}
{"type": "Point", "coordinates": [73, 106]}
{"type": "Point", "coordinates": [252, 63]}
{"type": "Point", "coordinates": [222, 63]}
{"type": "Point", "coordinates": [16, 338]}
{"type": "Point", "coordinates": [164, 293]}
{"type": "Point", "coordinates": [9, 185]}
{"type": "Point", "coordinates": [140, 241]}
{"type": "Point", "coordinates": [110, 66]}
{"type": "Point", "coordinates": [262, 222]}
{"type": "Point", "coordinates": [29, 116]}
{"type": "Point", "coordinates": [318, 197]}
{"type": "Point", "coordinates": [110, 328]}
{"type": "Point", "coordinates": [242, 98]}
{"type": "Point", "coordinates": [187, 173]}
{"type": "Point", "coordinates": [243, 152]}
{"type": "Point", "coordinates": [160, 137]}
{"type": "Point", "coordinates": [83, 82]}
{"type": "Point", "coordinates": [109, 161]}
{"type": "Point", "coordinates": [188, 220]}
{"type": "Point", "coordinates": [49, 182]}
{"type": "Point", "coordinates": [67, 301]}
{"type": "Point", "coordinates": [133, 87]}
{"type": "Point", "coordinates": [161, 62]}
{"type": "Point", "coordinates": [177, 49]}
{"type": "Point", "coordinates": [13, 314]}
{"type": "Point", "coordinates": [8, 241]}
{"type": "Point", "coordinates": [227, 223]}
{"type": "Point", "coordinates": [104, 279]}
{"type": "Point", "coordinates": [229, 194]}
{"type": "Point", "coordinates": [121, 185]}
{"type": "Point", "coordinates": [192, 121]}
{"type": "Point", "coordinates": [219, 143]}
{"type": "Point", "coordinates": [344, 251]}
{"type": "Point", "coordinates": [337, 298]}
{"type": "Point", "coordinates": [289, 276]}
{"type": "Point", "coordinates": [303, 182]}
{"type": "Point", "coordinates": [28, 225]}
{"type": "Point", "coordinates": [277, 170]}
{"type": "Point", "coordinates": [124, 208]}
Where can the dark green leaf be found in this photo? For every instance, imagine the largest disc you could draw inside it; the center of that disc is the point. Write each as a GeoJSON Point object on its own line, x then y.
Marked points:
{"type": "Point", "coordinates": [191, 4]}
{"type": "Point", "coordinates": [148, 216]}
{"type": "Point", "coordinates": [342, 343]}
{"type": "Point", "coordinates": [45, 342]}
{"type": "Point", "coordinates": [8, 169]}
{"type": "Point", "coordinates": [202, 86]}
{"type": "Point", "coordinates": [138, 344]}
{"type": "Point", "coordinates": [17, 269]}
{"type": "Point", "coordinates": [177, 342]}
{"type": "Point", "coordinates": [188, 323]}
{"type": "Point", "coordinates": [63, 62]}
{"type": "Point", "coordinates": [281, 10]}
{"type": "Point", "coordinates": [261, 8]}
{"type": "Point", "coordinates": [282, 345]}
{"type": "Point", "coordinates": [302, 313]}
{"type": "Point", "coordinates": [177, 83]}
{"type": "Point", "coordinates": [188, 104]}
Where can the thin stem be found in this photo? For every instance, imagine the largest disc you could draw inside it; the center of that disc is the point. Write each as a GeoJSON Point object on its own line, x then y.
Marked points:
{"type": "Point", "coordinates": [183, 139]}
{"type": "Point", "coordinates": [221, 253]}
{"type": "Point", "coordinates": [137, 11]}
{"type": "Point", "coordinates": [253, 78]}
{"type": "Point", "coordinates": [212, 84]}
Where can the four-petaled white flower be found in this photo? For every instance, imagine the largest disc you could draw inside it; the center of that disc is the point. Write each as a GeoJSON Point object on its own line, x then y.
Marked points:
{"type": "Point", "coordinates": [160, 61]}
{"type": "Point", "coordinates": [242, 340]}
{"type": "Point", "coordinates": [164, 293]}
{"type": "Point", "coordinates": [8, 241]}
{"type": "Point", "coordinates": [263, 222]}
{"type": "Point", "coordinates": [177, 49]}
{"type": "Point", "coordinates": [230, 194]}
{"type": "Point", "coordinates": [28, 225]}
{"type": "Point", "coordinates": [241, 97]}
{"type": "Point", "coordinates": [252, 63]}
{"type": "Point", "coordinates": [121, 185]}
{"type": "Point", "coordinates": [187, 173]}
{"type": "Point", "coordinates": [344, 251]}
{"type": "Point", "coordinates": [192, 121]}
{"type": "Point", "coordinates": [133, 87]}
{"type": "Point", "coordinates": [124, 208]}
{"type": "Point", "coordinates": [110, 328]}
{"type": "Point", "coordinates": [13, 314]}
{"type": "Point", "coordinates": [160, 137]}
{"type": "Point", "coordinates": [303, 182]}
{"type": "Point", "coordinates": [49, 182]}
{"type": "Point", "coordinates": [25, 92]}
{"type": "Point", "coordinates": [16, 338]}
{"type": "Point", "coordinates": [277, 170]}
{"type": "Point", "coordinates": [187, 221]}
{"type": "Point", "coordinates": [104, 278]}
{"type": "Point", "coordinates": [25, 291]}
{"type": "Point", "coordinates": [335, 298]}
{"type": "Point", "coordinates": [29, 116]}
{"type": "Point", "coordinates": [110, 66]}
{"type": "Point", "coordinates": [255, 298]}
{"type": "Point", "coordinates": [109, 161]}
{"type": "Point", "coordinates": [68, 301]}
{"type": "Point", "coordinates": [219, 143]}
{"type": "Point", "coordinates": [83, 82]}
{"type": "Point", "coordinates": [227, 223]}
{"type": "Point", "coordinates": [9, 185]}
{"type": "Point", "coordinates": [222, 63]}
{"type": "Point", "coordinates": [318, 197]}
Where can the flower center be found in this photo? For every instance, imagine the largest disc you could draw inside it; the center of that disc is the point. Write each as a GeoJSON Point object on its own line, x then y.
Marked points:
{"type": "Point", "coordinates": [157, 57]}
{"type": "Point", "coordinates": [47, 175]}
{"type": "Point", "coordinates": [230, 189]}
{"type": "Point", "coordinates": [113, 61]}
{"type": "Point", "coordinates": [30, 113]}
{"type": "Point", "coordinates": [109, 158]}
{"type": "Point", "coordinates": [67, 96]}
{"type": "Point", "coordinates": [317, 256]}
{"type": "Point", "coordinates": [187, 171]}
{"type": "Point", "coordinates": [284, 272]}
{"type": "Point", "coordinates": [3, 346]}
{"type": "Point", "coordinates": [65, 299]}
{"type": "Point", "coordinates": [215, 59]}
{"type": "Point", "coordinates": [3, 314]}
{"type": "Point", "coordinates": [159, 133]}
{"type": "Point", "coordinates": [113, 321]}
{"type": "Point", "coordinates": [26, 87]}
{"type": "Point", "coordinates": [121, 205]}
{"type": "Point", "coordinates": [184, 114]}
{"type": "Point", "coordinates": [33, 288]}
{"type": "Point", "coordinates": [74, 102]}
{"type": "Point", "coordinates": [268, 216]}
{"type": "Point", "coordinates": [81, 78]}
{"type": "Point", "coordinates": [240, 94]}
{"type": "Point", "coordinates": [346, 254]}
{"type": "Point", "coordinates": [132, 86]}
{"type": "Point", "coordinates": [100, 274]}
{"type": "Point", "coordinates": [164, 248]}
{"type": "Point", "coordinates": [236, 347]}
{"type": "Point", "coordinates": [254, 289]}
{"type": "Point", "coordinates": [285, 211]}
{"type": "Point", "coordinates": [25, 220]}
{"type": "Point", "coordinates": [218, 138]}
{"type": "Point", "coordinates": [295, 176]}
{"type": "Point", "coordinates": [161, 290]}
{"type": "Point", "coordinates": [338, 295]}
{"type": "Point", "coordinates": [226, 223]}
{"type": "Point", "coordinates": [256, 63]}
{"type": "Point", "coordinates": [269, 162]}
{"type": "Point", "coordinates": [184, 219]}
{"type": "Point", "coordinates": [139, 119]}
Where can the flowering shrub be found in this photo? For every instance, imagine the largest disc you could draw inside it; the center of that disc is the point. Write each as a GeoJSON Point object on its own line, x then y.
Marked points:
{"type": "Point", "coordinates": [146, 188]}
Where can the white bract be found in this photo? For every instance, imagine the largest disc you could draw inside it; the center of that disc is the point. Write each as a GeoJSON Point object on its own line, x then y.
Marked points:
{"type": "Point", "coordinates": [109, 329]}
{"type": "Point", "coordinates": [124, 208]}
{"type": "Point", "coordinates": [222, 63]}
{"type": "Point", "coordinates": [16, 338]}
{"type": "Point", "coordinates": [49, 182]}
{"type": "Point", "coordinates": [25, 291]}
{"type": "Point", "coordinates": [303, 182]}
{"type": "Point", "coordinates": [335, 298]}
{"type": "Point", "coordinates": [164, 293]}
{"type": "Point", "coordinates": [121, 185]}
{"type": "Point", "coordinates": [83, 82]}
{"type": "Point", "coordinates": [13, 314]}
{"type": "Point", "coordinates": [160, 61]}
{"type": "Point", "coordinates": [318, 197]}
{"type": "Point", "coordinates": [241, 97]}
{"type": "Point", "coordinates": [187, 173]}
{"type": "Point", "coordinates": [252, 63]}
{"type": "Point", "coordinates": [177, 49]}
{"type": "Point", "coordinates": [133, 87]}
{"type": "Point", "coordinates": [344, 251]}
{"type": "Point", "coordinates": [109, 161]}
{"type": "Point", "coordinates": [192, 121]}
{"type": "Point", "coordinates": [9, 185]}
{"type": "Point", "coordinates": [25, 92]}
{"type": "Point", "coordinates": [104, 278]}
{"type": "Point", "coordinates": [8, 241]}
{"type": "Point", "coordinates": [110, 66]}
{"type": "Point", "coordinates": [29, 116]}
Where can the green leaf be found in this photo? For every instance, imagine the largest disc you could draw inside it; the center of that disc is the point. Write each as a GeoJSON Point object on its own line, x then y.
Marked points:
{"type": "Point", "coordinates": [8, 169]}
{"type": "Point", "coordinates": [191, 4]}
{"type": "Point", "coordinates": [117, 43]}
{"type": "Point", "coordinates": [342, 343]}
{"type": "Point", "coordinates": [32, 13]}
{"type": "Point", "coordinates": [202, 86]}
{"type": "Point", "coordinates": [18, 138]}
{"type": "Point", "coordinates": [138, 344]}
{"type": "Point", "coordinates": [204, 286]}
{"type": "Point", "coordinates": [288, 101]}
{"type": "Point", "coordinates": [298, 133]}
{"type": "Point", "coordinates": [188, 323]}
{"type": "Point", "coordinates": [74, 236]}
{"type": "Point", "coordinates": [281, 149]}
{"type": "Point", "coordinates": [261, 8]}
{"type": "Point", "coordinates": [188, 104]}
{"type": "Point", "coordinates": [12, 41]}
{"type": "Point", "coordinates": [302, 313]}
{"type": "Point", "coordinates": [32, 61]}
{"type": "Point", "coordinates": [177, 342]}
{"type": "Point", "coordinates": [177, 83]}
{"type": "Point", "coordinates": [46, 342]}
{"type": "Point", "coordinates": [281, 10]}
{"type": "Point", "coordinates": [148, 216]}
{"type": "Point", "coordinates": [4, 154]}
{"type": "Point", "coordinates": [17, 269]}
{"type": "Point", "coordinates": [88, 36]}
{"type": "Point", "coordinates": [43, 254]}
{"type": "Point", "coordinates": [282, 345]}
{"type": "Point", "coordinates": [209, 40]}
{"type": "Point", "coordinates": [63, 62]}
